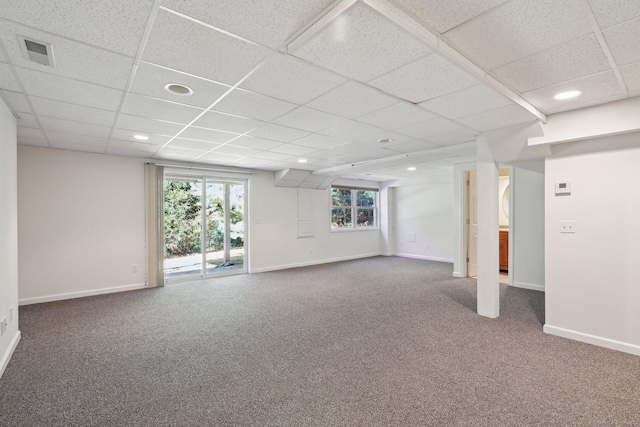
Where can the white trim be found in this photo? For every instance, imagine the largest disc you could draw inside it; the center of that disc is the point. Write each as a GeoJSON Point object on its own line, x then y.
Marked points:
{"type": "Point", "coordinates": [7, 356]}
{"type": "Point", "coordinates": [458, 274]}
{"type": "Point", "coordinates": [593, 339]}
{"type": "Point", "coordinates": [425, 257]}
{"type": "Point", "coordinates": [306, 264]}
{"type": "Point", "coordinates": [531, 286]}
{"type": "Point", "coordinates": [72, 295]}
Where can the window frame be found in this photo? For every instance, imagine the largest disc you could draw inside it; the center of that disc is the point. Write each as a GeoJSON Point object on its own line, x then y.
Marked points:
{"type": "Point", "coordinates": [354, 209]}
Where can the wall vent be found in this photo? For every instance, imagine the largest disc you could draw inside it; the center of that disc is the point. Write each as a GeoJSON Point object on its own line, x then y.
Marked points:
{"type": "Point", "coordinates": [37, 51]}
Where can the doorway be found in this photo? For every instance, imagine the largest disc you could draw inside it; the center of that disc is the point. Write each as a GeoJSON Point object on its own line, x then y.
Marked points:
{"type": "Point", "coordinates": [204, 227]}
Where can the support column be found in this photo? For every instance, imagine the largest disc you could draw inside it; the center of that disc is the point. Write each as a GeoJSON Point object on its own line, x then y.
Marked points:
{"type": "Point", "coordinates": [488, 245]}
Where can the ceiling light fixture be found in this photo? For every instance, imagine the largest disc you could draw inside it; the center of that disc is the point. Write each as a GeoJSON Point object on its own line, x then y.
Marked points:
{"type": "Point", "coordinates": [178, 89]}
{"type": "Point", "coordinates": [385, 140]}
{"type": "Point", "coordinates": [411, 168]}
{"type": "Point", "coordinates": [302, 160]}
{"type": "Point", "coordinates": [141, 137]}
{"type": "Point", "coordinates": [567, 95]}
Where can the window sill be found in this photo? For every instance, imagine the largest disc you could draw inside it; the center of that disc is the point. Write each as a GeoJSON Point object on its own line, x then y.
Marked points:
{"type": "Point", "coordinates": [351, 230]}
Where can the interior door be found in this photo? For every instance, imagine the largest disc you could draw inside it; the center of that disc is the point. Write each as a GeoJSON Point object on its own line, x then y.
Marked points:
{"type": "Point", "coordinates": [472, 220]}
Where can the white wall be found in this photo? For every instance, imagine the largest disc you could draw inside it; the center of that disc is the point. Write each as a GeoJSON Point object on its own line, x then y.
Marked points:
{"type": "Point", "coordinates": [424, 211]}
{"type": "Point", "coordinates": [8, 235]}
{"type": "Point", "coordinates": [593, 276]}
{"type": "Point", "coordinates": [527, 228]}
{"type": "Point", "coordinates": [81, 223]}
{"type": "Point", "coordinates": [274, 237]}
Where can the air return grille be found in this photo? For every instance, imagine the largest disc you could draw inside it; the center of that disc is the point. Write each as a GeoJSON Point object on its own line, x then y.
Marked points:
{"type": "Point", "coordinates": [41, 53]}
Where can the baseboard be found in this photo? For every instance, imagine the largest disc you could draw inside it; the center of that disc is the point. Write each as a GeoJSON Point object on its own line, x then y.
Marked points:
{"type": "Point", "coordinates": [528, 286]}
{"type": "Point", "coordinates": [458, 274]}
{"type": "Point", "coordinates": [592, 339]}
{"type": "Point", "coordinates": [306, 264]}
{"type": "Point", "coordinates": [72, 295]}
{"type": "Point", "coordinates": [425, 257]}
{"type": "Point", "coordinates": [7, 356]}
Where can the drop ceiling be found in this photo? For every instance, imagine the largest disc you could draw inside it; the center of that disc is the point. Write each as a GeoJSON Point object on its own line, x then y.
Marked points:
{"type": "Point", "coordinates": [278, 81]}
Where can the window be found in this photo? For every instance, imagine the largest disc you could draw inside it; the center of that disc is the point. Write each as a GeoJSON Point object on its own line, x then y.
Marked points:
{"type": "Point", "coordinates": [353, 208]}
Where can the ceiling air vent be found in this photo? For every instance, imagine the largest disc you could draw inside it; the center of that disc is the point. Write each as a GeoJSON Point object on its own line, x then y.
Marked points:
{"type": "Point", "coordinates": [35, 51]}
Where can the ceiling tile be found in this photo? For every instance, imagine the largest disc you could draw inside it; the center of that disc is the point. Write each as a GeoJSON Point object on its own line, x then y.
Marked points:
{"type": "Point", "coordinates": [345, 46]}
{"type": "Point", "coordinates": [114, 151]}
{"type": "Point", "coordinates": [445, 15]}
{"type": "Point", "coordinates": [276, 157]}
{"type": "Point", "coordinates": [609, 13]}
{"type": "Point", "coordinates": [278, 133]}
{"type": "Point", "coordinates": [7, 79]}
{"type": "Point", "coordinates": [75, 138]}
{"type": "Point", "coordinates": [236, 150]}
{"type": "Point", "coordinates": [631, 76]}
{"type": "Point", "coordinates": [466, 102]}
{"type": "Point", "coordinates": [353, 131]}
{"type": "Point", "coordinates": [352, 100]}
{"type": "Point", "coordinates": [292, 149]}
{"type": "Point", "coordinates": [68, 126]}
{"type": "Point", "coordinates": [30, 133]}
{"type": "Point", "coordinates": [498, 118]}
{"type": "Point", "coordinates": [267, 23]}
{"type": "Point", "coordinates": [226, 122]}
{"type": "Point", "coordinates": [325, 155]}
{"type": "Point", "coordinates": [153, 108]}
{"type": "Point", "coordinates": [568, 61]}
{"type": "Point", "coordinates": [396, 116]}
{"type": "Point", "coordinates": [150, 80]}
{"type": "Point", "coordinates": [185, 45]}
{"type": "Point", "coordinates": [425, 130]}
{"type": "Point", "coordinates": [518, 29]}
{"type": "Point", "coordinates": [127, 136]}
{"type": "Point", "coordinates": [35, 142]}
{"type": "Point", "coordinates": [62, 110]}
{"type": "Point", "coordinates": [121, 146]}
{"type": "Point", "coordinates": [67, 90]}
{"type": "Point", "coordinates": [354, 148]}
{"type": "Point", "coordinates": [397, 138]}
{"type": "Point", "coordinates": [623, 42]}
{"type": "Point", "coordinates": [594, 88]}
{"type": "Point", "coordinates": [94, 23]}
{"type": "Point", "coordinates": [217, 157]}
{"type": "Point", "coordinates": [87, 148]}
{"type": "Point", "coordinates": [318, 141]}
{"type": "Point", "coordinates": [207, 135]}
{"type": "Point", "coordinates": [457, 137]}
{"type": "Point", "coordinates": [410, 147]}
{"type": "Point", "coordinates": [183, 153]}
{"type": "Point", "coordinates": [290, 79]}
{"type": "Point", "coordinates": [192, 144]}
{"type": "Point", "coordinates": [28, 120]}
{"type": "Point", "coordinates": [17, 101]}
{"type": "Point", "coordinates": [427, 78]}
{"type": "Point", "coordinates": [255, 143]}
{"type": "Point", "coordinates": [251, 162]}
{"type": "Point", "coordinates": [143, 124]}
{"type": "Point", "coordinates": [252, 105]}
{"type": "Point", "coordinates": [73, 59]}
{"type": "Point", "coordinates": [307, 119]}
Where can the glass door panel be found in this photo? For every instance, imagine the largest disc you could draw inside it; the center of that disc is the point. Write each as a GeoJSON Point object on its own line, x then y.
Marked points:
{"type": "Point", "coordinates": [236, 229]}
{"type": "Point", "coordinates": [182, 227]}
{"type": "Point", "coordinates": [216, 225]}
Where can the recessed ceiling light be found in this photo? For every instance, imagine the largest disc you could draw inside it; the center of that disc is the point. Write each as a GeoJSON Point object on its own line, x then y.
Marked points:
{"type": "Point", "coordinates": [178, 89]}
{"type": "Point", "coordinates": [141, 137]}
{"type": "Point", "coordinates": [385, 140]}
{"type": "Point", "coordinates": [567, 95]}
{"type": "Point", "coordinates": [411, 168]}
{"type": "Point", "coordinates": [302, 160]}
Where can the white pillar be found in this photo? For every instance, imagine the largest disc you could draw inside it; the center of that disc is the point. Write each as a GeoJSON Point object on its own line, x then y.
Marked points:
{"type": "Point", "coordinates": [488, 246]}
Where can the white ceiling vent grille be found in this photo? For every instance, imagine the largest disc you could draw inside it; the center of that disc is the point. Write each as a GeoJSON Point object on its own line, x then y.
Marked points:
{"type": "Point", "coordinates": [36, 51]}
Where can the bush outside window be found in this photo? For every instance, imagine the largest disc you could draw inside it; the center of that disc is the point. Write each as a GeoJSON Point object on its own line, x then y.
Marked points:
{"type": "Point", "coordinates": [353, 208]}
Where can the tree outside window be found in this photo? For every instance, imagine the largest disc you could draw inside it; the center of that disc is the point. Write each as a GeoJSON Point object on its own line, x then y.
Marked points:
{"type": "Point", "coordinates": [353, 208]}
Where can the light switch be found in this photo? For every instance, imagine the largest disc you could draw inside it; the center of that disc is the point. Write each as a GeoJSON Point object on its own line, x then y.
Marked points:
{"type": "Point", "coordinates": [567, 226]}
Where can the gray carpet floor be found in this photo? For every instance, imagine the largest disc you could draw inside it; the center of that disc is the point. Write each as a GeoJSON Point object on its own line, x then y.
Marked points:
{"type": "Point", "coordinates": [372, 342]}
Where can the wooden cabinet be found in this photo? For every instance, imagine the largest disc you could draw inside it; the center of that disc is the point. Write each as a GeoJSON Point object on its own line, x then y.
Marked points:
{"type": "Point", "coordinates": [504, 250]}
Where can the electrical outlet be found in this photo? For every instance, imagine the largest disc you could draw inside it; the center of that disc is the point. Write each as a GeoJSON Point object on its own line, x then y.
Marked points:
{"type": "Point", "coordinates": [134, 268]}
{"type": "Point", "coordinates": [567, 227]}
{"type": "Point", "coordinates": [3, 326]}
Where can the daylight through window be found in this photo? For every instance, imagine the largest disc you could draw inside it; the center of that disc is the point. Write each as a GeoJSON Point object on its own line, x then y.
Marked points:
{"type": "Point", "coordinates": [353, 208]}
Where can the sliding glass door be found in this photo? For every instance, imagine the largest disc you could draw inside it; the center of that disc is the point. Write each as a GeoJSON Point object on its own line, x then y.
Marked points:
{"type": "Point", "coordinates": [204, 227]}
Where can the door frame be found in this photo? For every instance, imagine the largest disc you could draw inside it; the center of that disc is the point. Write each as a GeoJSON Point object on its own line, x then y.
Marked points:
{"type": "Point", "coordinates": [226, 179]}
